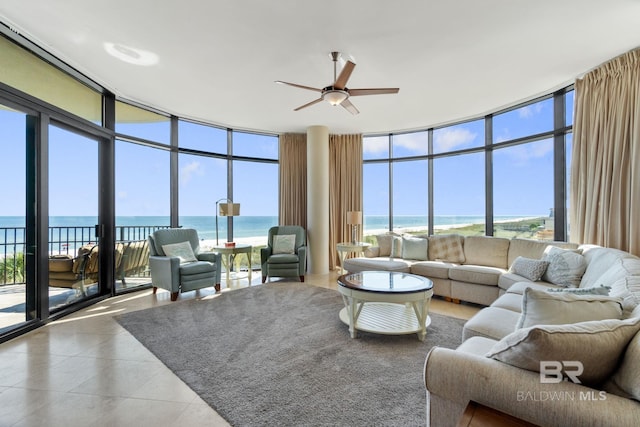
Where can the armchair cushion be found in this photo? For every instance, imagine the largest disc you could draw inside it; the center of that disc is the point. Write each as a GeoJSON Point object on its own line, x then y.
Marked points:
{"type": "Point", "coordinates": [182, 250]}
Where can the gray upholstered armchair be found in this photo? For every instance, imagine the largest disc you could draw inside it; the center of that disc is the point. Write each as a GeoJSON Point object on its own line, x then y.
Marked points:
{"type": "Point", "coordinates": [286, 252]}
{"type": "Point", "coordinates": [178, 265]}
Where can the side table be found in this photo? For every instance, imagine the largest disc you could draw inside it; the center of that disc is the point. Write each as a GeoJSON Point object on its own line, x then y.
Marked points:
{"type": "Point", "coordinates": [229, 253]}
{"type": "Point", "coordinates": [346, 247]}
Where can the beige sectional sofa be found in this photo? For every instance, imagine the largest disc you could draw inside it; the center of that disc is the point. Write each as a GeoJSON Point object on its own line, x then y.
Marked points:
{"type": "Point", "coordinates": [473, 268]}
{"type": "Point", "coordinates": [594, 339]}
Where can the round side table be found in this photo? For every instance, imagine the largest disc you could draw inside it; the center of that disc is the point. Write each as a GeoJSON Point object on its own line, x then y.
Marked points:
{"type": "Point", "coordinates": [346, 247]}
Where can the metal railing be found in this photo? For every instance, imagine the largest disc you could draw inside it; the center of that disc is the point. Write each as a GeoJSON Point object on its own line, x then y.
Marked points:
{"type": "Point", "coordinates": [62, 240]}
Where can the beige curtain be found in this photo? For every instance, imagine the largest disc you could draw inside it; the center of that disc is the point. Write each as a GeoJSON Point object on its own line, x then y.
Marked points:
{"type": "Point", "coordinates": [605, 165]}
{"type": "Point", "coordinates": [345, 188]}
{"type": "Point", "coordinates": [293, 179]}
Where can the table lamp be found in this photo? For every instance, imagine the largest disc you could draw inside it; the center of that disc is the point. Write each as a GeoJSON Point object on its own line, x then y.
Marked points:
{"type": "Point", "coordinates": [226, 209]}
{"type": "Point", "coordinates": [354, 219]}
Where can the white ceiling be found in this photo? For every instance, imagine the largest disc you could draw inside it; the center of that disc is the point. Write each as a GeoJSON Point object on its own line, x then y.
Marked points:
{"type": "Point", "coordinates": [217, 60]}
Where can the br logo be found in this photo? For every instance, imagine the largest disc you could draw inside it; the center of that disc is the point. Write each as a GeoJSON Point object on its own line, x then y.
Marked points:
{"type": "Point", "coordinates": [553, 371]}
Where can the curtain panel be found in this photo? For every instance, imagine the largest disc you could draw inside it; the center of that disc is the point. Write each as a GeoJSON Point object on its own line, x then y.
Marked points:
{"type": "Point", "coordinates": [345, 188]}
{"type": "Point", "coordinates": [605, 164]}
{"type": "Point", "coordinates": [293, 179]}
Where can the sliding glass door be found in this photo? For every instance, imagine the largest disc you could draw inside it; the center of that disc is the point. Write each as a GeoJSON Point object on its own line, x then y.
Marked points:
{"type": "Point", "coordinates": [14, 286]}
{"type": "Point", "coordinates": [73, 217]}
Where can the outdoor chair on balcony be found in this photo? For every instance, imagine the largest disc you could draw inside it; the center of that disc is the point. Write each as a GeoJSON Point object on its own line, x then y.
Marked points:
{"type": "Point", "coordinates": [286, 252]}
{"type": "Point", "coordinates": [177, 264]}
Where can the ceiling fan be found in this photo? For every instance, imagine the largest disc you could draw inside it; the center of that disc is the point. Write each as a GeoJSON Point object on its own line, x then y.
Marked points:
{"type": "Point", "coordinates": [338, 93]}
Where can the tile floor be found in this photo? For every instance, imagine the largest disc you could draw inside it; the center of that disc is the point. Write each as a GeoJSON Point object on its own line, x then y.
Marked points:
{"type": "Point", "coordinates": [86, 370]}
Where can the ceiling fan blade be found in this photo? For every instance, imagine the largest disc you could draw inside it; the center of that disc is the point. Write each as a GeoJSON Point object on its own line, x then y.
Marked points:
{"type": "Point", "coordinates": [309, 104]}
{"type": "Point", "coordinates": [378, 91]}
{"type": "Point", "coordinates": [341, 81]}
{"type": "Point", "coordinates": [349, 106]}
{"type": "Point", "coordinates": [299, 86]}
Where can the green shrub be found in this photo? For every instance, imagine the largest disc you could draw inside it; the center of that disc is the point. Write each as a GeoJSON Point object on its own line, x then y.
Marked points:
{"type": "Point", "coordinates": [12, 269]}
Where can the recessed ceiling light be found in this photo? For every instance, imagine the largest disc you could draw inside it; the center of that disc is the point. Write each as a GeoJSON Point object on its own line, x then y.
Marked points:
{"type": "Point", "coordinates": [130, 54]}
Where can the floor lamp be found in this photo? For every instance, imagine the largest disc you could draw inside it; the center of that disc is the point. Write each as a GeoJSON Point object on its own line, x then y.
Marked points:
{"type": "Point", "coordinates": [354, 219]}
{"type": "Point", "coordinates": [226, 209]}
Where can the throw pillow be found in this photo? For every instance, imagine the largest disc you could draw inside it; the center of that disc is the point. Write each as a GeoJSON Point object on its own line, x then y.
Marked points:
{"type": "Point", "coordinates": [598, 345]}
{"type": "Point", "coordinates": [566, 266]}
{"type": "Point", "coordinates": [284, 244]}
{"type": "Point", "coordinates": [547, 308]}
{"type": "Point", "coordinates": [596, 290]}
{"type": "Point", "coordinates": [390, 244]}
{"type": "Point", "coordinates": [182, 250]}
{"type": "Point", "coordinates": [415, 248]}
{"type": "Point", "coordinates": [627, 288]}
{"type": "Point", "coordinates": [447, 247]}
{"type": "Point", "coordinates": [627, 377]}
{"type": "Point", "coordinates": [529, 268]}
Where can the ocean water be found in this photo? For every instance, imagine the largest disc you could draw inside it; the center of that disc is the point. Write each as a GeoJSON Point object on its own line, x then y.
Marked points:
{"type": "Point", "coordinates": [244, 226]}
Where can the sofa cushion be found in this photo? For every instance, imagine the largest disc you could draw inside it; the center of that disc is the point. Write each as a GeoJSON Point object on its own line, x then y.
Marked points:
{"type": "Point", "coordinates": [484, 250]}
{"type": "Point", "coordinates": [627, 376]}
{"type": "Point", "coordinates": [619, 269]}
{"type": "Point", "coordinates": [415, 248]}
{"type": "Point", "coordinates": [356, 265]}
{"type": "Point", "coordinates": [605, 341]}
{"type": "Point", "coordinates": [432, 269]}
{"type": "Point", "coordinates": [529, 248]}
{"type": "Point", "coordinates": [599, 261]}
{"type": "Point", "coordinates": [529, 268]}
{"type": "Point", "coordinates": [566, 267]}
{"type": "Point", "coordinates": [627, 288]}
{"type": "Point", "coordinates": [520, 287]}
{"type": "Point", "coordinates": [491, 322]}
{"type": "Point", "coordinates": [547, 308]}
{"type": "Point", "coordinates": [507, 280]}
{"type": "Point", "coordinates": [446, 247]}
{"type": "Point", "coordinates": [476, 274]}
{"type": "Point", "coordinates": [477, 345]}
{"type": "Point", "coordinates": [509, 301]}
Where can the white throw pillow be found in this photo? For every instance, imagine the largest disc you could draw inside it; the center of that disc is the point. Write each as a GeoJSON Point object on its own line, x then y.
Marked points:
{"type": "Point", "coordinates": [557, 308]}
{"type": "Point", "coordinates": [529, 268]}
{"type": "Point", "coordinates": [415, 248]}
{"type": "Point", "coordinates": [182, 250]}
{"type": "Point", "coordinates": [566, 266]}
{"type": "Point", "coordinates": [284, 244]}
{"type": "Point", "coordinates": [390, 244]}
{"type": "Point", "coordinates": [598, 345]}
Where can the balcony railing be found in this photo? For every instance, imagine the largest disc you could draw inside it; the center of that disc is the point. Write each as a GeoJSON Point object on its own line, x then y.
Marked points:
{"type": "Point", "coordinates": [62, 240]}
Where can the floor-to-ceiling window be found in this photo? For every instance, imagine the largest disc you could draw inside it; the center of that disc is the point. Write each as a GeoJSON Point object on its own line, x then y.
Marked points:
{"type": "Point", "coordinates": [495, 175]}
{"type": "Point", "coordinates": [13, 277]}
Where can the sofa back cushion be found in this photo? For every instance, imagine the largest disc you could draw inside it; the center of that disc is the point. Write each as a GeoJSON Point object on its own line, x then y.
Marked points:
{"type": "Point", "coordinates": [627, 288]}
{"type": "Point", "coordinates": [529, 248]}
{"type": "Point", "coordinates": [487, 251]}
{"type": "Point", "coordinates": [606, 265]}
{"type": "Point", "coordinates": [627, 377]}
{"type": "Point", "coordinates": [447, 247]}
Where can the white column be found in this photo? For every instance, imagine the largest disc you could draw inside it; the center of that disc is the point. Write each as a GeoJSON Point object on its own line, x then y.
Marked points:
{"type": "Point", "coordinates": [318, 199]}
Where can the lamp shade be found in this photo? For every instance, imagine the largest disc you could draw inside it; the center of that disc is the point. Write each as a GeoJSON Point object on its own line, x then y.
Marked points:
{"type": "Point", "coordinates": [229, 209]}
{"type": "Point", "coordinates": [354, 217]}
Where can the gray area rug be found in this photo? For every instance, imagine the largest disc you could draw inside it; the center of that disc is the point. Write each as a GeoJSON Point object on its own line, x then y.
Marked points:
{"type": "Point", "coordinates": [277, 355]}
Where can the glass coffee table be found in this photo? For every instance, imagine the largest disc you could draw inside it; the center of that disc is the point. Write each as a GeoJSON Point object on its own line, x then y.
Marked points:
{"type": "Point", "coordinates": [386, 302]}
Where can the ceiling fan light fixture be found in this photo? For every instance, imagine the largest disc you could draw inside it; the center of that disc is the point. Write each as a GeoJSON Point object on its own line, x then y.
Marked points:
{"type": "Point", "coordinates": [335, 96]}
